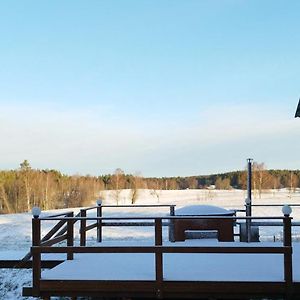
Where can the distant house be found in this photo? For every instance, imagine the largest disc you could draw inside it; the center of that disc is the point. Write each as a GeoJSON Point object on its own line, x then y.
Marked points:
{"type": "Point", "coordinates": [211, 187]}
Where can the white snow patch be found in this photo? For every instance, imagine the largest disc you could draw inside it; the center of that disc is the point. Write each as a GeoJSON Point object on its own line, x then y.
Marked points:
{"type": "Point", "coordinates": [202, 210]}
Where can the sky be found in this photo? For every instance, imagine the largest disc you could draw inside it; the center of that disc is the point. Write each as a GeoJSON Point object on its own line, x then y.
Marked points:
{"type": "Point", "coordinates": [161, 87]}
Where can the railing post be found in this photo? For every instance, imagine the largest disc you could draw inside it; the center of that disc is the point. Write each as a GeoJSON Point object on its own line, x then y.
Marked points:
{"type": "Point", "coordinates": [36, 254]}
{"type": "Point", "coordinates": [82, 228]}
{"type": "Point", "coordinates": [172, 224]}
{"type": "Point", "coordinates": [70, 236]}
{"type": "Point", "coordinates": [99, 222]}
{"type": "Point", "coordinates": [158, 257]}
{"type": "Point", "coordinates": [287, 242]}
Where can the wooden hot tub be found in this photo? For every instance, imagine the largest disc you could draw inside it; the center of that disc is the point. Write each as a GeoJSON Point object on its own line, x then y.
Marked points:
{"type": "Point", "coordinates": [223, 227]}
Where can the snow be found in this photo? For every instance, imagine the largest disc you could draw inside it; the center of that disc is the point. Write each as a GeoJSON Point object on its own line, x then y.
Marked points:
{"type": "Point", "coordinates": [193, 267]}
{"type": "Point", "coordinates": [15, 232]}
{"type": "Point", "coordinates": [202, 210]}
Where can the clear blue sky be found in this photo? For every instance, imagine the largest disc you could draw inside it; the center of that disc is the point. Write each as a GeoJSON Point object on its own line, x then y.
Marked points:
{"type": "Point", "coordinates": [162, 87]}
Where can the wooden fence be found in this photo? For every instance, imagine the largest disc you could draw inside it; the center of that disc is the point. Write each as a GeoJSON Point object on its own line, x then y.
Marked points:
{"type": "Point", "coordinates": [40, 245]}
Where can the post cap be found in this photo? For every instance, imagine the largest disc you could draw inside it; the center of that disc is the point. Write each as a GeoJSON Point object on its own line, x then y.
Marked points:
{"type": "Point", "coordinates": [286, 210]}
{"type": "Point", "coordinates": [99, 202]}
{"type": "Point", "coordinates": [36, 211]}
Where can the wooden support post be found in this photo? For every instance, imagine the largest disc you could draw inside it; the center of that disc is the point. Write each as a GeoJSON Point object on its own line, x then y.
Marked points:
{"type": "Point", "coordinates": [99, 222]}
{"type": "Point", "coordinates": [36, 231]}
{"type": "Point", "coordinates": [36, 255]}
{"type": "Point", "coordinates": [172, 224]}
{"type": "Point", "coordinates": [287, 230]}
{"type": "Point", "coordinates": [70, 236]}
{"type": "Point", "coordinates": [82, 228]}
{"type": "Point", "coordinates": [288, 263]}
{"type": "Point", "coordinates": [158, 258]}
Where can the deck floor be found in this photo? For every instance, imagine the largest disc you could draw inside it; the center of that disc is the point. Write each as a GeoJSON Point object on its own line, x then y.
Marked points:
{"type": "Point", "coordinates": [178, 267]}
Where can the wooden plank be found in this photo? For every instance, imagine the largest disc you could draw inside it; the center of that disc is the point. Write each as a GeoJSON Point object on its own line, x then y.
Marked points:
{"type": "Point", "coordinates": [141, 224]}
{"type": "Point", "coordinates": [55, 240]}
{"type": "Point", "coordinates": [19, 264]}
{"type": "Point", "coordinates": [69, 213]}
{"type": "Point", "coordinates": [187, 289]}
{"type": "Point", "coordinates": [167, 218]}
{"type": "Point", "coordinates": [163, 249]}
{"type": "Point", "coordinates": [224, 288]}
{"type": "Point", "coordinates": [172, 289]}
{"type": "Point", "coordinates": [64, 229]}
{"type": "Point", "coordinates": [89, 227]}
{"type": "Point", "coordinates": [97, 285]}
{"type": "Point", "coordinates": [27, 291]}
{"type": "Point", "coordinates": [53, 230]}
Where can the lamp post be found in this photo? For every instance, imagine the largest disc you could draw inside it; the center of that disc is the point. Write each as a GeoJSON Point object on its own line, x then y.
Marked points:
{"type": "Point", "coordinates": [248, 201]}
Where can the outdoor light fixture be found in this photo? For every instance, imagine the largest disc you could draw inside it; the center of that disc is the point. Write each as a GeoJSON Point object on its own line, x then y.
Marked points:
{"type": "Point", "coordinates": [36, 211]}
{"type": "Point", "coordinates": [99, 202]}
{"type": "Point", "coordinates": [248, 201]}
{"type": "Point", "coordinates": [286, 210]}
{"type": "Point", "coordinates": [297, 114]}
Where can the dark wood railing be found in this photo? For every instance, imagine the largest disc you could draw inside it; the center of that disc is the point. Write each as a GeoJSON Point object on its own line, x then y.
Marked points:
{"type": "Point", "coordinates": [99, 224]}
{"type": "Point", "coordinates": [158, 249]}
{"type": "Point", "coordinates": [60, 232]}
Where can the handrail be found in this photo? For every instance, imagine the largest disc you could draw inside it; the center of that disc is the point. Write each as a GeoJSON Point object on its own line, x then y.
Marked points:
{"type": "Point", "coordinates": [99, 208]}
{"type": "Point", "coordinates": [164, 218]}
{"type": "Point", "coordinates": [62, 214]}
{"type": "Point", "coordinates": [164, 249]}
{"type": "Point", "coordinates": [275, 205]}
{"type": "Point", "coordinates": [100, 222]}
{"type": "Point", "coordinates": [132, 205]}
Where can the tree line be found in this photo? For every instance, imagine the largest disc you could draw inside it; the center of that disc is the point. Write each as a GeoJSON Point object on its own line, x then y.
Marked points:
{"type": "Point", "coordinates": [25, 187]}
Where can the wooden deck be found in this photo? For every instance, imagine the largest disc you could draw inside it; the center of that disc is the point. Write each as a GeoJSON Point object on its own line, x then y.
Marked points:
{"type": "Point", "coordinates": [159, 284]}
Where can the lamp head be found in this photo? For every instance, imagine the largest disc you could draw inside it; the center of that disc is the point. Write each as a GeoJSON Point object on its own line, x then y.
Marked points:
{"type": "Point", "coordinates": [248, 201]}
{"type": "Point", "coordinates": [99, 202]}
{"type": "Point", "coordinates": [286, 210]}
{"type": "Point", "coordinates": [36, 211]}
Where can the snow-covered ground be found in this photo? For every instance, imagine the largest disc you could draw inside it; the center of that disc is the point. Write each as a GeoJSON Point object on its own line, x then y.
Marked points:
{"type": "Point", "coordinates": [15, 229]}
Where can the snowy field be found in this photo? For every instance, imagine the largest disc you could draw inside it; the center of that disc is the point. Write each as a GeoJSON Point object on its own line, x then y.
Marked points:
{"type": "Point", "coordinates": [15, 229]}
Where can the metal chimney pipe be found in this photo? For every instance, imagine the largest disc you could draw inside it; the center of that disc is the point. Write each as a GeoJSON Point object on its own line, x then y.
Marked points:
{"type": "Point", "coordinates": [249, 198]}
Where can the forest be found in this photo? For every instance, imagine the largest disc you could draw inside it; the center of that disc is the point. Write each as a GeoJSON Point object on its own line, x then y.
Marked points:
{"type": "Point", "coordinates": [22, 188]}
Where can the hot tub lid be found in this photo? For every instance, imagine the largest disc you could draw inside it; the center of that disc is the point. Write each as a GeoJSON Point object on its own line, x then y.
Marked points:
{"type": "Point", "coordinates": [203, 210]}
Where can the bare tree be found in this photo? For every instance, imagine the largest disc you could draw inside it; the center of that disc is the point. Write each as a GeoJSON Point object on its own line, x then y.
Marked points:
{"type": "Point", "coordinates": [259, 172]}
{"type": "Point", "coordinates": [136, 184]}
{"type": "Point", "coordinates": [25, 169]}
{"type": "Point", "coordinates": [155, 190]}
{"type": "Point", "coordinates": [117, 183]}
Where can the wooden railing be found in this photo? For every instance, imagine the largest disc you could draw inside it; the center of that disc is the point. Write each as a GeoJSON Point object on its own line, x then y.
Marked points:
{"type": "Point", "coordinates": [63, 230]}
{"type": "Point", "coordinates": [99, 224]}
{"type": "Point", "coordinates": [158, 249]}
